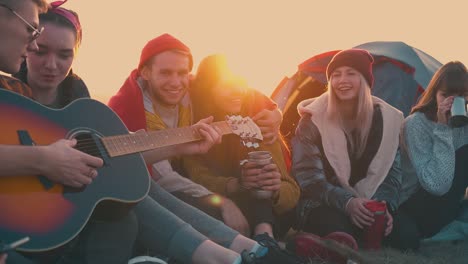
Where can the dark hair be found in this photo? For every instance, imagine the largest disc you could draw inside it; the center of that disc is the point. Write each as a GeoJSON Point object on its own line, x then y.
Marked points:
{"type": "Point", "coordinates": [452, 78]}
{"type": "Point", "coordinates": [41, 4]}
{"type": "Point", "coordinates": [210, 71]}
{"type": "Point", "coordinates": [59, 20]}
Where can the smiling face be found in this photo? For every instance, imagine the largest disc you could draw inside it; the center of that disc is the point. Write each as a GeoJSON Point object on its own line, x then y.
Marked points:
{"type": "Point", "coordinates": [50, 65]}
{"type": "Point", "coordinates": [16, 35]}
{"type": "Point", "coordinates": [345, 83]}
{"type": "Point", "coordinates": [228, 94]}
{"type": "Point", "coordinates": [167, 77]}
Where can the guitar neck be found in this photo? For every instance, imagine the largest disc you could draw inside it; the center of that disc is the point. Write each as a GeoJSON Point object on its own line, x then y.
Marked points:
{"type": "Point", "coordinates": [142, 141]}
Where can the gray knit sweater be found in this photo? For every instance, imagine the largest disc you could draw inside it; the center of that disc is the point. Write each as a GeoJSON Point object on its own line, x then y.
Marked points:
{"type": "Point", "coordinates": [428, 155]}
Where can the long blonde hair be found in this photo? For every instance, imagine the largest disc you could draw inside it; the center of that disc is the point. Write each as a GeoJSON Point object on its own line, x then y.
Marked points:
{"type": "Point", "coordinates": [363, 116]}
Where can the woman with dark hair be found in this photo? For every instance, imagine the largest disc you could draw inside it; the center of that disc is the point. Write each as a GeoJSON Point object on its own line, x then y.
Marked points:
{"type": "Point", "coordinates": [434, 163]}
{"type": "Point", "coordinates": [48, 70]}
{"type": "Point", "coordinates": [218, 92]}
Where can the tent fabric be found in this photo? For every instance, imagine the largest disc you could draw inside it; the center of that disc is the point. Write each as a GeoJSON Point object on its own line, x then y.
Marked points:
{"type": "Point", "coordinates": [424, 64]}
{"type": "Point", "coordinates": [392, 84]}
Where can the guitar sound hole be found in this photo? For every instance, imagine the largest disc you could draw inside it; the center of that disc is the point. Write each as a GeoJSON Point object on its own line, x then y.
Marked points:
{"type": "Point", "coordinates": [87, 143]}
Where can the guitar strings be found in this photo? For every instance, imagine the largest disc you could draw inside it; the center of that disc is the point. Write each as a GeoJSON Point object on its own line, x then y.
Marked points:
{"type": "Point", "coordinates": [89, 145]}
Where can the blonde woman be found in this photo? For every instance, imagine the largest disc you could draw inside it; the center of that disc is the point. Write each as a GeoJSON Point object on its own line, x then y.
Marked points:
{"type": "Point", "coordinates": [345, 151]}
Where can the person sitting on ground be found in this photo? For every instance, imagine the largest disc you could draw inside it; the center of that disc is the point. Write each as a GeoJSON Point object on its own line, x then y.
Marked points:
{"type": "Point", "coordinates": [434, 163]}
{"type": "Point", "coordinates": [219, 169]}
{"type": "Point", "coordinates": [345, 151]}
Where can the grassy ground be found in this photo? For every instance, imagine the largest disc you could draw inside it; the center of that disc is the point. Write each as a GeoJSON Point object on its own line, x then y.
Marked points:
{"type": "Point", "coordinates": [433, 253]}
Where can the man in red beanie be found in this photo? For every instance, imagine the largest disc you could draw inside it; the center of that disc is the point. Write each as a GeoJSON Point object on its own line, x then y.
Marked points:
{"type": "Point", "coordinates": [154, 97]}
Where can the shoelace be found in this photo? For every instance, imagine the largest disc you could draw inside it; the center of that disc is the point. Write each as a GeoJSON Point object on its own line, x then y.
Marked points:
{"type": "Point", "coordinates": [271, 244]}
{"type": "Point", "coordinates": [248, 257]}
{"type": "Point", "coordinates": [266, 241]}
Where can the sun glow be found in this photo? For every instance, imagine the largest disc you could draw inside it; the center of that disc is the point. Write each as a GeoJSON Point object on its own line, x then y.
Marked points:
{"type": "Point", "coordinates": [263, 40]}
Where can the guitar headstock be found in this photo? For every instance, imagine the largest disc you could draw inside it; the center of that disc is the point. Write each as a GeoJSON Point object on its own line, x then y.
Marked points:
{"type": "Point", "coordinates": [246, 129]}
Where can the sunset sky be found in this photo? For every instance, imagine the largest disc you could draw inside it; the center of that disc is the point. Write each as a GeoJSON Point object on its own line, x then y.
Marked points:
{"type": "Point", "coordinates": [264, 40]}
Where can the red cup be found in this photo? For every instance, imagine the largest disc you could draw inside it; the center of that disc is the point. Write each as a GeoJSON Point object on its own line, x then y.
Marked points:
{"type": "Point", "coordinates": [372, 235]}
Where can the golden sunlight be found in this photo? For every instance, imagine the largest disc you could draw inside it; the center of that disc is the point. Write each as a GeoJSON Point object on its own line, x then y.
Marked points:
{"type": "Point", "coordinates": [264, 40]}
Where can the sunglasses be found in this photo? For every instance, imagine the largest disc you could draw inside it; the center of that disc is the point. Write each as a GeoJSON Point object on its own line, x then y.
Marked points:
{"type": "Point", "coordinates": [35, 33]}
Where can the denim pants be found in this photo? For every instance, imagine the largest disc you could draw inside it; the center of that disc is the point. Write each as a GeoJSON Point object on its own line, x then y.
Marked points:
{"type": "Point", "coordinates": [173, 228]}
{"type": "Point", "coordinates": [100, 242]}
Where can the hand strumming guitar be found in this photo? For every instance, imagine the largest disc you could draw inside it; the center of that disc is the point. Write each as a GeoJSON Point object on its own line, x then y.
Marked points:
{"type": "Point", "coordinates": [61, 163]}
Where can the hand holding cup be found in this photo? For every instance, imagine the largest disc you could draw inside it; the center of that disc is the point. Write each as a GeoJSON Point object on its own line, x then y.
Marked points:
{"type": "Point", "coordinates": [458, 116]}
{"type": "Point", "coordinates": [373, 235]}
{"type": "Point", "coordinates": [260, 174]}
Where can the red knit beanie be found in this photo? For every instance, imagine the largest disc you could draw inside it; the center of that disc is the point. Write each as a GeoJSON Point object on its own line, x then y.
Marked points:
{"type": "Point", "coordinates": [160, 44]}
{"type": "Point", "coordinates": [358, 59]}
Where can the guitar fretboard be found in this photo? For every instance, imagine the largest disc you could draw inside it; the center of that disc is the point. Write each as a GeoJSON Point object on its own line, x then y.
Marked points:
{"type": "Point", "coordinates": [142, 141]}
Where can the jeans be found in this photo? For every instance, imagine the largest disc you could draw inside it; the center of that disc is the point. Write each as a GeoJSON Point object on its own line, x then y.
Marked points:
{"type": "Point", "coordinates": [99, 242]}
{"type": "Point", "coordinates": [175, 229]}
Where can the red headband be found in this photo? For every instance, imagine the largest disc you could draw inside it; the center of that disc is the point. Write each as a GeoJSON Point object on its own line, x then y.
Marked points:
{"type": "Point", "coordinates": [55, 8]}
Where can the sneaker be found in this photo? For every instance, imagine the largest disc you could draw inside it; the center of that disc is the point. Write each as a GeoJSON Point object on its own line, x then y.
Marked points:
{"type": "Point", "coordinates": [248, 257]}
{"type": "Point", "coordinates": [308, 245]}
{"type": "Point", "coordinates": [146, 260]}
{"type": "Point", "coordinates": [305, 245]}
{"type": "Point", "coordinates": [275, 254]}
{"type": "Point", "coordinates": [341, 238]}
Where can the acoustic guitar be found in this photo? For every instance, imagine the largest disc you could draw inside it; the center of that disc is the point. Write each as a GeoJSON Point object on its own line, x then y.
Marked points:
{"type": "Point", "coordinates": [51, 214]}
